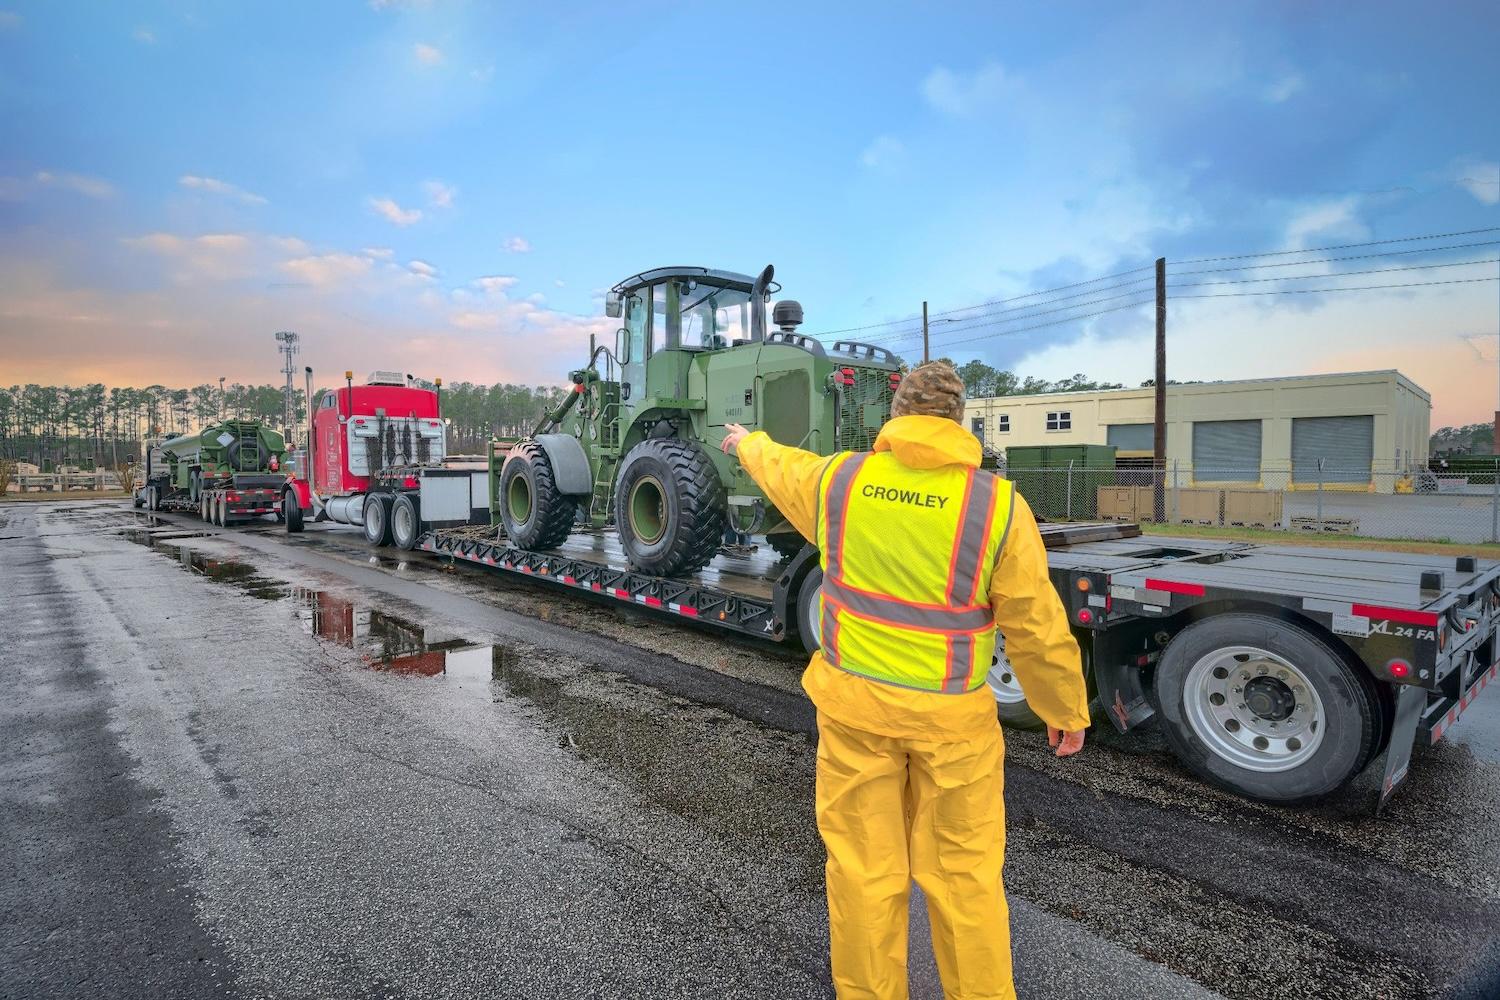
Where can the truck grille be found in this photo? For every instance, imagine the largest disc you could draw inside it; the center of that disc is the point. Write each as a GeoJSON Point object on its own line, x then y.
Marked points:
{"type": "Point", "coordinates": [864, 407]}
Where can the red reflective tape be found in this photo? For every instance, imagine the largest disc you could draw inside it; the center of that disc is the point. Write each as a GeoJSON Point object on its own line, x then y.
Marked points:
{"type": "Point", "coordinates": [525, 569]}
{"type": "Point", "coordinates": [653, 602]}
{"type": "Point", "coordinates": [623, 595]}
{"type": "Point", "coordinates": [568, 579]}
{"type": "Point", "coordinates": [683, 609]}
{"type": "Point", "coordinates": [1403, 615]}
{"type": "Point", "coordinates": [1172, 587]}
{"type": "Point", "coordinates": [595, 586]}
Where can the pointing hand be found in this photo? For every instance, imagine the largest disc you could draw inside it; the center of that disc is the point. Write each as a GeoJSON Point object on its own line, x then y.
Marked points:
{"type": "Point", "coordinates": [733, 435]}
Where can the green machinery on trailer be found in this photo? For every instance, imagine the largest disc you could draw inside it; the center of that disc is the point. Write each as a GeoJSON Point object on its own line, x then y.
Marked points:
{"type": "Point", "coordinates": [228, 471]}
{"type": "Point", "coordinates": [635, 445]}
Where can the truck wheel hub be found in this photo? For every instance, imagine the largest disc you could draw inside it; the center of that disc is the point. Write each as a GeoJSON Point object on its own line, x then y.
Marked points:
{"type": "Point", "coordinates": [1253, 708]}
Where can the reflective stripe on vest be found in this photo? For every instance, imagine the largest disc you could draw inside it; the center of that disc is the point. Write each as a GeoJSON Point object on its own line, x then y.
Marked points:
{"type": "Point", "coordinates": [964, 624]}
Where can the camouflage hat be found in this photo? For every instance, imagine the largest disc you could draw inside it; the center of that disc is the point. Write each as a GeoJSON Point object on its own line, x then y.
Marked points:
{"type": "Point", "coordinates": [932, 390]}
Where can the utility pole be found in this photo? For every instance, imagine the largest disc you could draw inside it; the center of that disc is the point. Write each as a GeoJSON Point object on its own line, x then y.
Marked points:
{"type": "Point", "coordinates": [1159, 442]}
{"type": "Point", "coordinates": [926, 355]}
{"type": "Point", "coordinates": [221, 398]}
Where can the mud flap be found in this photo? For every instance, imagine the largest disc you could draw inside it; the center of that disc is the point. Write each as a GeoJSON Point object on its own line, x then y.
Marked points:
{"type": "Point", "coordinates": [1119, 687]}
{"type": "Point", "coordinates": [1409, 704]}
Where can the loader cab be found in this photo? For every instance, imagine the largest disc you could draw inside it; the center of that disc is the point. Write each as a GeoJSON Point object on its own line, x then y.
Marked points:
{"type": "Point", "coordinates": [669, 315]}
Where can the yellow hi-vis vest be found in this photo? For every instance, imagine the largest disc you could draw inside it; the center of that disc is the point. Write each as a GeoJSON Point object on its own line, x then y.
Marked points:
{"type": "Point", "coordinates": [907, 558]}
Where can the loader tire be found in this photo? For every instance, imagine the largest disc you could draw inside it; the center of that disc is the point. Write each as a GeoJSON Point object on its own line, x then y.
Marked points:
{"type": "Point", "coordinates": [535, 513]}
{"type": "Point", "coordinates": [669, 507]}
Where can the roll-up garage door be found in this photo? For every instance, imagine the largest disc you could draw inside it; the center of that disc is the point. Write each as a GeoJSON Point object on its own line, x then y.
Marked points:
{"type": "Point", "coordinates": [1226, 451]}
{"type": "Point", "coordinates": [1131, 437]}
{"type": "Point", "coordinates": [1345, 444]}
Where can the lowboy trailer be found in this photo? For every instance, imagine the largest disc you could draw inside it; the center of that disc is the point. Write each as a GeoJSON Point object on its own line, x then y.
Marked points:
{"type": "Point", "coordinates": [1278, 672]}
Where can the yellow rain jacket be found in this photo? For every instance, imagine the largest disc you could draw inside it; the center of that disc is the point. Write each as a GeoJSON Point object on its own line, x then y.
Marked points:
{"type": "Point", "coordinates": [910, 783]}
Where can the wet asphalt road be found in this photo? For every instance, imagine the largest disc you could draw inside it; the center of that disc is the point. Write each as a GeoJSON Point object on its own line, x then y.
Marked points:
{"type": "Point", "coordinates": [238, 764]}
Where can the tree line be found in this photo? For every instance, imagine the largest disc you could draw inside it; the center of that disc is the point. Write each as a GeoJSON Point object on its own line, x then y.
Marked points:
{"type": "Point", "coordinates": [91, 426]}
{"type": "Point", "coordinates": [982, 380]}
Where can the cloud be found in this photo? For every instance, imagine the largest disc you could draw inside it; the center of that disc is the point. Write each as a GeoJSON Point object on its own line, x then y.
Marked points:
{"type": "Point", "coordinates": [421, 269]}
{"type": "Point", "coordinates": [516, 244]}
{"type": "Point", "coordinates": [215, 186]}
{"type": "Point", "coordinates": [428, 55]}
{"type": "Point", "coordinates": [1480, 179]}
{"type": "Point", "coordinates": [560, 283]}
{"type": "Point", "coordinates": [211, 256]}
{"type": "Point", "coordinates": [1329, 220]}
{"type": "Point", "coordinates": [495, 282]}
{"type": "Point", "coordinates": [144, 35]}
{"type": "Point", "coordinates": [883, 154]}
{"type": "Point", "coordinates": [963, 96]}
{"type": "Point", "coordinates": [394, 213]}
{"type": "Point", "coordinates": [1284, 88]}
{"type": "Point", "coordinates": [439, 195]}
{"type": "Point", "coordinates": [326, 270]}
{"type": "Point", "coordinates": [77, 183]}
{"type": "Point", "coordinates": [9, 19]}
{"type": "Point", "coordinates": [378, 253]}
{"type": "Point", "coordinates": [483, 73]}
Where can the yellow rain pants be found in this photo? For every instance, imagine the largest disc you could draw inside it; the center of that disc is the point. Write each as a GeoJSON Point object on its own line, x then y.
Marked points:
{"type": "Point", "coordinates": [893, 810]}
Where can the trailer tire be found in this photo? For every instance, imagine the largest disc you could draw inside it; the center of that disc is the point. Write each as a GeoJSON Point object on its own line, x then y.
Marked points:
{"type": "Point", "coordinates": [135, 499]}
{"type": "Point", "coordinates": [203, 502]}
{"type": "Point", "coordinates": [1306, 727]}
{"type": "Point", "coordinates": [150, 497]}
{"type": "Point", "coordinates": [669, 507]}
{"type": "Point", "coordinates": [292, 510]}
{"type": "Point", "coordinates": [406, 522]}
{"type": "Point", "coordinates": [535, 513]}
{"type": "Point", "coordinates": [377, 519]}
{"type": "Point", "coordinates": [1010, 701]}
{"type": "Point", "coordinates": [809, 609]}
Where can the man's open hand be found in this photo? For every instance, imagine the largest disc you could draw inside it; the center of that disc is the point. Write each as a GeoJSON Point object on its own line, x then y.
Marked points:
{"type": "Point", "coordinates": [733, 435]}
{"type": "Point", "coordinates": [1067, 743]}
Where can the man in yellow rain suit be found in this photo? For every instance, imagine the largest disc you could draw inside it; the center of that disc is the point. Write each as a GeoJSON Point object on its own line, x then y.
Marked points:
{"type": "Point", "coordinates": [923, 555]}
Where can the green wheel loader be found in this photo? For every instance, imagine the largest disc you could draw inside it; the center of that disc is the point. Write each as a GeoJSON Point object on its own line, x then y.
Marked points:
{"type": "Point", "coordinates": [635, 446]}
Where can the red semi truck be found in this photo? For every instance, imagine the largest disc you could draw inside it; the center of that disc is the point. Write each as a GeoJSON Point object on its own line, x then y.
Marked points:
{"type": "Point", "coordinates": [374, 458]}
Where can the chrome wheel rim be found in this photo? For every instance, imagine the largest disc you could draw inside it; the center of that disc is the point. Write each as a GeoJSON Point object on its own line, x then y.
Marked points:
{"type": "Point", "coordinates": [403, 522]}
{"type": "Point", "coordinates": [1254, 709]}
{"type": "Point", "coordinates": [1001, 679]}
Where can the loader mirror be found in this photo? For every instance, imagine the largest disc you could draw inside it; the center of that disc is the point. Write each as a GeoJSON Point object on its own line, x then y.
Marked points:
{"type": "Point", "coordinates": [613, 308]}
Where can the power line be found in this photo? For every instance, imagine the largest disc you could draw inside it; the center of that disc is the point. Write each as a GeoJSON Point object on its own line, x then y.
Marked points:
{"type": "Point", "coordinates": [970, 323]}
{"type": "Point", "coordinates": [1039, 326]}
{"type": "Point", "coordinates": [1326, 260]}
{"type": "Point", "coordinates": [1342, 246]}
{"type": "Point", "coordinates": [998, 302]}
{"type": "Point", "coordinates": [1314, 291]}
{"type": "Point", "coordinates": [1340, 274]}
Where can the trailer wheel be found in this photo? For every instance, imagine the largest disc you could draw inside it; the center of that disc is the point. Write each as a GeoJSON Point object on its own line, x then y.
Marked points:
{"type": "Point", "coordinates": [150, 497]}
{"type": "Point", "coordinates": [135, 499]}
{"type": "Point", "coordinates": [1264, 708]}
{"type": "Point", "coordinates": [786, 544]}
{"type": "Point", "coordinates": [292, 510]}
{"type": "Point", "coordinates": [406, 524]}
{"type": "Point", "coordinates": [669, 507]}
{"type": "Point", "coordinates": [536, 515]}
{"type": "Point", "coordinates": [377, 517]}
{"type": "Point", "coordinates": [1015, 711]}
{"type": "Point", "coordinates": [203, 502]}
{"type": "Point", "coordinates": [809, 610]}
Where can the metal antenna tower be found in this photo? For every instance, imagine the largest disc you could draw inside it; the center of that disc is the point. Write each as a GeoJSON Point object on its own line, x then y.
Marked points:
{"type": "Point", "coordinates": [287, 345]}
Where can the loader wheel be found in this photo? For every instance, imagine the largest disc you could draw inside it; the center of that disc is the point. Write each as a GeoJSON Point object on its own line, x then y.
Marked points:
{"type": "Point", "coordinates": [406, 525]}
{"type": "Point", "coordinates": [535, 513]}
{"type": "Point", "coordinates": [293, 511]}
{"type": "Point", "coordinates": [1265, 709]}
{"type": "Point", "coordinates": [669, 507]}
{"type": "Point", "coordinates": [377, 517]}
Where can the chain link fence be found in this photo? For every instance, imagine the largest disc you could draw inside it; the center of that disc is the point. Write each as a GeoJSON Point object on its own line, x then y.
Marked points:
{"type": "Point", "coordinates": [1324, 498]}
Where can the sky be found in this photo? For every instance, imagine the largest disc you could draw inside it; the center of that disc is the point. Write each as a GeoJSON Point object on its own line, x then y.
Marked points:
{"type": "Point", "coordinates": [448, 188]}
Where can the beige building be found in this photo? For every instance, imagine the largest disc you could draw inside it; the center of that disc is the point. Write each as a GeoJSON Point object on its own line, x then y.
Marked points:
{"type": "Point", "coordinates": [1355, 429]}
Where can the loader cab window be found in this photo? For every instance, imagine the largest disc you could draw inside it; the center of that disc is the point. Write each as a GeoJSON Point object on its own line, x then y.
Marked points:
{"type": "Point", "coordinates": [714, 317]}
{"type": "Point", "coordinates": [660, 318]}
{"type": "Point", "coordinates": [635, 329]}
